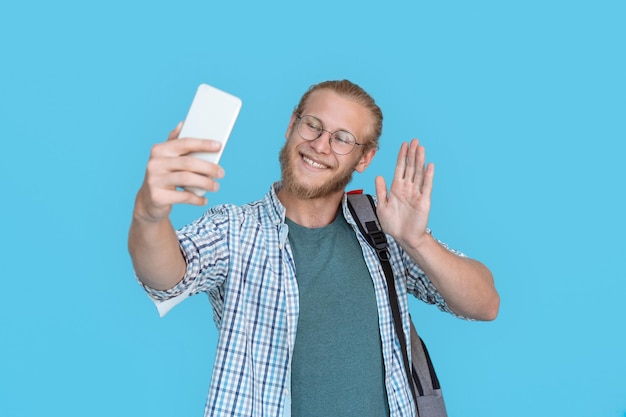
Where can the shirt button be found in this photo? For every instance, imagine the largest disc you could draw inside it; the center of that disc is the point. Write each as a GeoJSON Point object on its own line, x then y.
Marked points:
{"type": "Point", "coordinates": [286, 392]}
{"type": "Point", "coordinates": [280, 246]}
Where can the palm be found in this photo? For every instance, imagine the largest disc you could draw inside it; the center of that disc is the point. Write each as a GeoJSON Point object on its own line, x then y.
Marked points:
{"type": "Point", "coordinates": [403, 211]}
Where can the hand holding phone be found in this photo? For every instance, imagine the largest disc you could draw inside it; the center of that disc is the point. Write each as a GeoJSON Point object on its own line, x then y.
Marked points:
{"type": "Point", "coordinates": [212, 115]}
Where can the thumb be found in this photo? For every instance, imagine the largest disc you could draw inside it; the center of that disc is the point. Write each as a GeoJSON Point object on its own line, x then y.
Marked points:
{"type": "Point", "coordinates": [174, 133]}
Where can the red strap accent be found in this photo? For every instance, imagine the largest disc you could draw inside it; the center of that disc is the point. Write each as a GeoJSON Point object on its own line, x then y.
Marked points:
{"type": "Point", "coordinates": [355, 192]}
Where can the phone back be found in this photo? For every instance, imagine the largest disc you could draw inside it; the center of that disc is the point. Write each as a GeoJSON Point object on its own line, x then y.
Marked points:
{"type": "Point", "coordinates": [212, 115]}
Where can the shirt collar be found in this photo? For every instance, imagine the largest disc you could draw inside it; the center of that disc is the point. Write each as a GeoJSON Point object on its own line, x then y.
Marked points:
{"type": "Point", "coordinates": [277, 210]}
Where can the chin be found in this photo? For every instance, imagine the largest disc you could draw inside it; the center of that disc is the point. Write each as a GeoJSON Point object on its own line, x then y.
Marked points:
{"type": "Point", "coordinates": [309, 191]}
{"type": "Point", "coordinates": [337, 183]}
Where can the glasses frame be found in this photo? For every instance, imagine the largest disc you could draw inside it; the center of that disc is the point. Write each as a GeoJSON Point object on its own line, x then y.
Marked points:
{"type": "Point", "coordinates": [299, 117]}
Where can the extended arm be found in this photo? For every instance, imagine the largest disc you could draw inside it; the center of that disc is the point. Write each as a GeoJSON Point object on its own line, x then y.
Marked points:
{"type": "Point", "coordinates": [466, 284]}
{"type": "Point", "coordinates": [152, 240]}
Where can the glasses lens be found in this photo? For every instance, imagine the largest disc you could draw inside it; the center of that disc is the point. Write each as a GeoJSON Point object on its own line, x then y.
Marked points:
{"type": "Point", "coordinates": [342, 142]}
{"type": "Point", "coordinates": [309, 128]}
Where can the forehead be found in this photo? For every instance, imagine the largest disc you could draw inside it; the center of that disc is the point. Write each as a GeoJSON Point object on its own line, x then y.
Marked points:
{"type": "Point", "coordinates": [338, 112]}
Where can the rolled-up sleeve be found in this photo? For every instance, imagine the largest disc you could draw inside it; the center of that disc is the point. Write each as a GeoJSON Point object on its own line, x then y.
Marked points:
{"type": "Point", "coordinates": [421, 286]}
{"type": "Point", "coordinates": [204, 245]}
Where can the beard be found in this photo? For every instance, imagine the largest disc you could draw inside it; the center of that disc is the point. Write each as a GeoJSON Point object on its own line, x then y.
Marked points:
{"type": "Point", "coordinates": [290, 182]}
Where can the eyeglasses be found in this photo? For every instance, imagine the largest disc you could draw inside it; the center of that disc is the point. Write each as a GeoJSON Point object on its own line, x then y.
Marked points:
{"type": "Point", "coordinates": [341, 142]}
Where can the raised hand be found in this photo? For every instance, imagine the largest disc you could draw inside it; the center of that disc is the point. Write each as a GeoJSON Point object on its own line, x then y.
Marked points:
{"type": "Point", "coordinates": [403, 210]}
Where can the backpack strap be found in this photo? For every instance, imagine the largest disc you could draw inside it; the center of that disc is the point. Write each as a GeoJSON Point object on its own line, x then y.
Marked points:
{"type": "Point", "coordinates": [420, 374]}
{"type": "Point", "coordinates": [363, 210]}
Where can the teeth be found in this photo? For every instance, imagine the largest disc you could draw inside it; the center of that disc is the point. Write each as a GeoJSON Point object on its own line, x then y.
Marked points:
{"type": "Point", "coordinates": [313, 163]}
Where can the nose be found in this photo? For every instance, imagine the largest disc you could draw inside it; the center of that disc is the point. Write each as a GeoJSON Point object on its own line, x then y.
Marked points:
{"type": "Point", "coordinates": [322, 143]}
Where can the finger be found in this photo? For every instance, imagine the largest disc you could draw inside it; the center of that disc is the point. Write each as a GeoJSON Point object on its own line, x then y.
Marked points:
{"type": "Point", "coordinates": [401, 162]}
{"type": "Point", "coordinates": [198, 145]}
{"type": "Point", "coordinates": [173, 197]}
{"type": "Point", "coordinates": [186, 179]}
{"type": "Point", "coordinates": [174, 133]}
{"type": "Point", "coordinates": [412, 168]}
{"type": "Point", "coordinates": [429, 175]}
{"type": "Point", "coordinates": [184, 146]}
{"type": "Point", "coordinates": [185, 171]}
{"type": "Point", "coordinates": [189, 163]}
{"type": "Point", "coordinates": [159, 186]}
{"type": "Point", "coordinates": [381, 189]}
{"type": "Point", "coordinates": [420, 161]}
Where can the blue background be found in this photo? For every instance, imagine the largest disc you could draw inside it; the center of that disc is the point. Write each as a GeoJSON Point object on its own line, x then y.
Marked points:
{"type": "Point", "coordinates": [521, 105]}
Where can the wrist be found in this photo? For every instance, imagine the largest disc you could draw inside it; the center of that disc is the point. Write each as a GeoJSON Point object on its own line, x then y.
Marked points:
{"type": "Point", "coordinates": [420, 245]}
{"type": "Point", "coordinates": [146, 214]}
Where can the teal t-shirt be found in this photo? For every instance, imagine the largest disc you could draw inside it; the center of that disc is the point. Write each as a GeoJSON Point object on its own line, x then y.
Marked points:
{"type": "Point", "coordinates": [337, 366]}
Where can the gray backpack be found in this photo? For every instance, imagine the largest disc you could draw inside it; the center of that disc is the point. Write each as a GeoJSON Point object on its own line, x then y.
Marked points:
{"type": "Point", "coordinates": [420, 373]}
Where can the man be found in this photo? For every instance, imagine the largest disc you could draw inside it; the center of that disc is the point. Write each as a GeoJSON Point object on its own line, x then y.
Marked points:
{"type": "Point", "coordinates": [299, 298]}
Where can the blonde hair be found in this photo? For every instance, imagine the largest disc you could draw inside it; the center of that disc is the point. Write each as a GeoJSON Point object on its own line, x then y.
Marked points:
{"type": "Point", "coordinates": [353, 92]}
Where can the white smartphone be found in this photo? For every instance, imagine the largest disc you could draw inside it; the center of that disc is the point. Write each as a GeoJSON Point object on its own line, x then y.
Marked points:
{"type": "Point", "coordinates": [212, 115]}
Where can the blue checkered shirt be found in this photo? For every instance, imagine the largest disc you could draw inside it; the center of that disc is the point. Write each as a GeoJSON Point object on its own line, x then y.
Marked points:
{"type": "Point", "coordinates": [240, 257]}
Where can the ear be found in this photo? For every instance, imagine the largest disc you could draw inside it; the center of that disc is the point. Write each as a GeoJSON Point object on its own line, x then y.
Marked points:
{"type": "Point", "coordinates": [365, 160]}
{"type": "Point", "coordinates": [291, 126]}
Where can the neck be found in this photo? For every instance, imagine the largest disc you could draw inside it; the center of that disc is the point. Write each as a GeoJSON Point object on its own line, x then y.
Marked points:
{"type": "Point", "coordinates": [312, 213]}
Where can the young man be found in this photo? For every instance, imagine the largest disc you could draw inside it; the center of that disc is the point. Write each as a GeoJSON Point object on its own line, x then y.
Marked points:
{"type": "Point", "coordinates": [298, 295]}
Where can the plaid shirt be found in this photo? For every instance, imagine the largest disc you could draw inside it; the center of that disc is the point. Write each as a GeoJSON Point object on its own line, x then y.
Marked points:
{"type": "Point", "coordinates": [240, 256]}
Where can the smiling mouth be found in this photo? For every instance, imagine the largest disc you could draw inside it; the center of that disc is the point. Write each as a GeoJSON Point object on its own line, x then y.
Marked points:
{"type": "Point", "coordinates": [313, 163]}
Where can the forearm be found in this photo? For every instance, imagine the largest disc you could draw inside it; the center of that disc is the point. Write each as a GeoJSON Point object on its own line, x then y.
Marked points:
{"type": "Point", "coordinates": [466, 285]}
{"type": "Point", "coordinates": [155, 252]}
